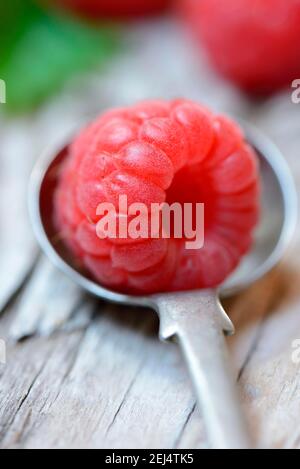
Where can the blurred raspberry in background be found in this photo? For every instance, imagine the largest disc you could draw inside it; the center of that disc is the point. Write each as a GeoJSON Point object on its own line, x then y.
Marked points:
{"type": "Point", "coordinates": [112, 8]}
{"type": "Point", "coordinates": [254, 43]}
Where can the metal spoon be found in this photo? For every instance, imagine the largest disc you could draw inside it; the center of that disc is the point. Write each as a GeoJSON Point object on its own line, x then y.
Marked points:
{"type": "Point", "coordinates": [195, 319]}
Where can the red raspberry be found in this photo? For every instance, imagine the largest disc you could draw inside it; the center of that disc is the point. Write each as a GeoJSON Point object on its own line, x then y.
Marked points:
{"type": "Point", "coordinates": [113, 8]}
{"type": "Point", "coordinates": [254, 43]}
{"type": "Point", "coordinates": [159, 151]}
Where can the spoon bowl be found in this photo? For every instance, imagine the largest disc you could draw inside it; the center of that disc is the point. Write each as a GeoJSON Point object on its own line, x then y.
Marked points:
{"type": "Point", "coordinates": [275, 230]}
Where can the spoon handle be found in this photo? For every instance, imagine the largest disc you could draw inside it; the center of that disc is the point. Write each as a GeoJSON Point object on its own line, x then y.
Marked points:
{"type": "Point", "coordinates": [197, 321]}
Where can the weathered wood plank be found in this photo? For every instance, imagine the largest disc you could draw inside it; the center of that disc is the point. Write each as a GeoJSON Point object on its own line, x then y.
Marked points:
{"type": "Point", "coordinates": [16, 241]}
{"type": "Point", "coordinates": [271, 380]}
{"type": "Point", "coordinates": [47, 303]}
{"type": "Point", "coordinates": [109, 380]}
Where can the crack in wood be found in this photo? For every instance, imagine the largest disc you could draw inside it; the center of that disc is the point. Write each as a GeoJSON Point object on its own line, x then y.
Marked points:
{"type": "Point", "coordinates": [274, 290]}
{"type": "Point", "coordinates": [21, 403]}
{"type": "Point", "coordinates": [251, 351]}
{"type": "Point", "coordinates": [14, 295]}
{"type": "Point", "coordinates": [124, 398]}
{"type": "Point", "coordinates": [184, 426]}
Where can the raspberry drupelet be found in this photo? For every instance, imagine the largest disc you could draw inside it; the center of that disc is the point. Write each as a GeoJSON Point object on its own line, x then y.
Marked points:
{"type": "Point", "coordinates": [156, 151]}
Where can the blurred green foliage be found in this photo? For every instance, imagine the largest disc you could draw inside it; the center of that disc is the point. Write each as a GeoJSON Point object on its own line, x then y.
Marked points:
{"type": "Point", "coordinates": [41, 50]}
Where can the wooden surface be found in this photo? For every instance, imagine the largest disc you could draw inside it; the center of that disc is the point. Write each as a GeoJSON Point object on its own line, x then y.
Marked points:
{"type": "Point", "coordinates": [82, 373]}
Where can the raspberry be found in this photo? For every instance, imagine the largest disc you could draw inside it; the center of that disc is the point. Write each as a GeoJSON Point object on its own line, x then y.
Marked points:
{"type": "Point", "coordinates": [112, 8]}
{"type": "Point", "coordinates": [159, 151]}
{"type": "Point", "coordinates": [253, 43]}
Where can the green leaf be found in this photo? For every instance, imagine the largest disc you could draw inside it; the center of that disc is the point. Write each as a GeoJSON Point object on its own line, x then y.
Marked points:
{"type": "Point", "coordinates": [41, 51]}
